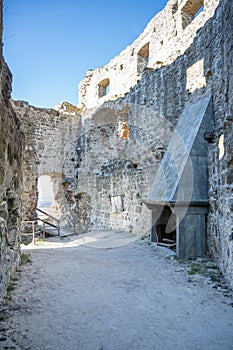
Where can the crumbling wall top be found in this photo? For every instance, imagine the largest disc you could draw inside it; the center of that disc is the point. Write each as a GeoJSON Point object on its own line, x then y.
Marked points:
{"type": "Point", "coordinates": [166, 37]}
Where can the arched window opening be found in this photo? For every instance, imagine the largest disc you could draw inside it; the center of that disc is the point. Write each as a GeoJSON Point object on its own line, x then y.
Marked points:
{"type": "Point", "coordinates": [103, 88]}
{"type": "Point", "coordinates": [143, 58]}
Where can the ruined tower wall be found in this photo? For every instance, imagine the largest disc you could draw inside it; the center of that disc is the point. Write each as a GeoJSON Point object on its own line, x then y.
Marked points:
{"type": "Point", "coordinates": [11, 145]}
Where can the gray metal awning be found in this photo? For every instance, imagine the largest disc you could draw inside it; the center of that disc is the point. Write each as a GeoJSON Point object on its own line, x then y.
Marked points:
{"type": "Point", "coordinates": [182, 175]}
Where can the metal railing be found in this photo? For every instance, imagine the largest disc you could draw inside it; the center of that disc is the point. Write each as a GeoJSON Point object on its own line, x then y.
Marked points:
{"type": "Point", "coordinates": [45, 222]}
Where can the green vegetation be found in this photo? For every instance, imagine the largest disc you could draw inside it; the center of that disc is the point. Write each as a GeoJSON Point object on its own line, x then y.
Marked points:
{"type": "Point", "coordinates": [10, 287]}
{"type": "Point", "coordinates": [204, 267]}
{"type": "Point", "coordinates": [25, 259]}
{"type": "Point", "coordinates": [194, 269]}
{"type": "Point", "coordinates": [14, 279]}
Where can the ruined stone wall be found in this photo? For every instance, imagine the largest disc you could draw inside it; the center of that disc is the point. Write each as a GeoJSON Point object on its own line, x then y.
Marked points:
{"type": "Point", "coordinates": [220, 50]}
{"type": "Point", "coordinates": [48, 135]}
{"type": "Point", "coordinates": [89, 164]}
{"type": "Point", "coordinates": [11, 145]}
{"type": "Point", "coordinates": [110, 168]}
{"type": "Point", "coordinates": [167, 36]}
{"type": "Point", "coordinates": [198, 63]}
{"type": "Point", "coordinates": [180, 57]}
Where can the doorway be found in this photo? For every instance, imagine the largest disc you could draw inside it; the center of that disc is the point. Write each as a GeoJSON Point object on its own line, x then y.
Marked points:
{"type": "Point", "coordinates": [46, 195]}
{"type": "Point", "coordinates": [166, 229]}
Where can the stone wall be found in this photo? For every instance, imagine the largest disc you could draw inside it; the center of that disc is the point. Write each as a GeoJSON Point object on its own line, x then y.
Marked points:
{"type": "Point", "coordinates": [49, 136]}
{"type": "Point", "coordinates": [11, 146]}
{"type": "Point", "coordinates": [103, 178]}
{"type": "Point", "coordinates": [197, 63]}
{"type": "Point", "coordinates": [167, 36]}
{"type": "Point", "coordinates": [220, 234]}
{"type": "Point", "coordinates": [111, 168]}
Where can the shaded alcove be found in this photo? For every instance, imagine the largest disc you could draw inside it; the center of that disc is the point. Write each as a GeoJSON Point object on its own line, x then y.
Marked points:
{"type": "Point", "coordinates": [164, 231]}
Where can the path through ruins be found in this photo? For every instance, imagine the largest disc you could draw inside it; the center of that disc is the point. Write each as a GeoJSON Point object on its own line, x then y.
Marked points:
{"type": "Point", "coordinates": [131, 297]}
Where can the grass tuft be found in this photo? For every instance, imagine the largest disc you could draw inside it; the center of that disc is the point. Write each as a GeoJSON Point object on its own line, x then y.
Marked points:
{"type": "Point", "coordinates": [25, 259]}
{"type": "Point", "coordinates": [10, 287]}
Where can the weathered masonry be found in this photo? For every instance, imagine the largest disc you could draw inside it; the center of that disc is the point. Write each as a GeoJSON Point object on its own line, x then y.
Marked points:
{"type": "Point", "coordinates": [149, 148]}
{"type": "Point", "coordinates": [183, 56]}
{"type": "Point", "coordinates": [167, 36]}
{"type": "Point", "coordinates": [11, 152]}
{"type": "Point", "coordinates": [103, 156]}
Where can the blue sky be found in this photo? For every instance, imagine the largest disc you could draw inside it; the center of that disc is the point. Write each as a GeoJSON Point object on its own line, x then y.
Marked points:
{"type": "Point", "coordinates": [49, 45]}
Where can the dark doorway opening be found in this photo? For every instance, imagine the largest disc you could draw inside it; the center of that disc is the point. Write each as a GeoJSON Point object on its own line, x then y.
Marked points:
{"type": "Point", "coordinates": [166, 229]}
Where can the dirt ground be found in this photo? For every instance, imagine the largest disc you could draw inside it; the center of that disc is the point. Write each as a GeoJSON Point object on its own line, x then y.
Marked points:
{"type": "Point", "coordinates": [105, 292]}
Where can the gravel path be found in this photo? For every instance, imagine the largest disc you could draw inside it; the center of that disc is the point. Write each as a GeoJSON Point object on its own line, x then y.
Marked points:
{"type": "Point", "coordinates": [130, 297]}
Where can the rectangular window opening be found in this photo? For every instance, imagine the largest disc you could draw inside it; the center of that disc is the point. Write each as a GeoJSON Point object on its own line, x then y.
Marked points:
{"type": "Point", "coordinates": [143, 58]}
{"type": "Point", "coordinates": [190, 11]}
{"type": "Point", "coordinates": [117, 203]}
{"type": "Point", "coordinates": [103, 88]}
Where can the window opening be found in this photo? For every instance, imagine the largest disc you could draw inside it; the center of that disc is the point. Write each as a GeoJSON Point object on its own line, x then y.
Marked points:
{"type": "Point", "coordinates": [103, 88]}
{"type": "Point", "coordinates": [123, 130]}
{"type": "Point", "coordinates": [195, 78]}
{"type": "Point", "coordinates": [117, 203]}
{"type": "Point", "coordinates": [190, 11]}
{"type": "Point", "coordinates": [143, 58]}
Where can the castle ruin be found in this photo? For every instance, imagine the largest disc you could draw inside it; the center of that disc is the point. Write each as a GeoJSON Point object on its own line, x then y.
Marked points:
{"type": "Point", "coordinates": [115, 161]}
